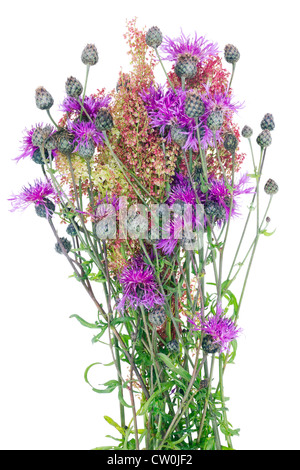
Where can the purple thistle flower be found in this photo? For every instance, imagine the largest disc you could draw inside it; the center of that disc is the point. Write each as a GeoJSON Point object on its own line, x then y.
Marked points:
{"type": "Point", "coordinates": [218, 192]}
{"type": "Point", "coordinates": [198, 47]}
{"type": "Point", "coordinates": [220, 102]}
{"type": "Point", "coordinates": [221, 329]}
{"type": "Point", "coordinates": [139, 286]}
{"type": "Point", "coordinates": [91, 105]}
{"type": "Point", "coordinates": [28, 148]}
{"type": "Point", "coordinates": [37, 194]}
{"type": "Point", "coordinates": [84, 131]}
{"type": "Point", "coordinates": [216, 102]}
{"type": "Point", "coordinates": [168, 109]}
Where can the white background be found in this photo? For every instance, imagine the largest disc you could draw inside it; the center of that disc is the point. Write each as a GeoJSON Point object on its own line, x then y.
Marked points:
{"type": "Point", "coordinates": [45, 403]}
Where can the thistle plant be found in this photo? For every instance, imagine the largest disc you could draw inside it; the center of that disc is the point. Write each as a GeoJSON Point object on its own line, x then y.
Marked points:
{"type": "Point", "coordinates": [140, 187]}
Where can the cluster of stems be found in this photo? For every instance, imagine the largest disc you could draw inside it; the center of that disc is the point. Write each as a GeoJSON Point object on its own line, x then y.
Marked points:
{"type": "Point", "coordinates": [167, 400]}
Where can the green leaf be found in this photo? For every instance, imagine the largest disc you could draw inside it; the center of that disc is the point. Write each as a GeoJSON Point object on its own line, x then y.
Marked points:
{"type": "Point", "coordinates": [267, 234]}
{"type": "Point", "coordinates": [85, 323]}
{"type": "Point", "coordinates": [122, 401]}
{"type": "Point", "coordinates": [96, 338]}
{"type": "Point", "coordinates": [115, 425]}
{"type": "Point", "coordinates": [178, 370]}
{"type": "Point", "coordinates": [117, 321]}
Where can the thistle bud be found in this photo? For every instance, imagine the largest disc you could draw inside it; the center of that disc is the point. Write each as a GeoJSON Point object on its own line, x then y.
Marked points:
{"type": "Point", "coordinates": [43, 99]}
{"type": "Point", "coordinates": [73, 87]}
{"type": "Point", "coordinates": [230, 142]}
{"type": "Point", "coordinates": [157, 316]}
{"type": "Point", "coordinates": [264, 139]}
{"type": "Point", "coordinates": [89, 55]}
{"type": "Point", "coordinates": [65, 243]}
{"type": "Point", "coordinates": [104, 120]}
{"type": "Point", "coordinates": [247, 132]}
{"type": "Point", "coordinates": [231, 54]}
{"type": "Point", "coordinates": [173, 345]}
{"type": "Point", "coordinates": [268, 122]}
{"type": "Point", "coordinates": [215, 120]}
{"type": "Point", "coordinates": [271, 187]}
{"type": "Point", "coordinates": [154, 37]}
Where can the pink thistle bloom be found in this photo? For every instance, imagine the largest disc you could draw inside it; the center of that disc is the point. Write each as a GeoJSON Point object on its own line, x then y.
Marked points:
{"type": "Point", "coordinates": [139, 286]}
{"type": "Point", "coordinates": [216, 102]}
{"type": "Point", "coordinates": [198, 47]}
{"type": "Point", "coordinates": [218, 192]}
{"type": "Point", "coordinates": [91, 105]}
{"type": "Point", "coordinates": [222, 330]}
{"type": "Point", "coordinates": [167, 110]}
{"type": "Point", "coordinates": [84, 131]}
{"type": "Point", "coordinates": [37, 194]}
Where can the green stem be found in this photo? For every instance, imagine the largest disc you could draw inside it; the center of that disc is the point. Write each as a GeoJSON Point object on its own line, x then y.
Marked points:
{"type": "Point", "coordinates": [84, 90]}
{"type": "Point", "coordinates": [163, 67]}
{"type": "Point", "coordinates": [228, 438]}
{"type": "Point", "coordinates": [49, 114]}
{"type": "Point", "coordinates": [206, 399]}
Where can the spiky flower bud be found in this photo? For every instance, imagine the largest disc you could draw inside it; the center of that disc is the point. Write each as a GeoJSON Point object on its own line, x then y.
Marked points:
{"type": "Point", "coordinates": [268, 220]}
{"type": "Point", "coordinates": [40, 134]}
{"type": "Point", "coordinates": [214, 211]}
{"type": "Point", "coordinates": [51, 142]}
{"type": "Point", "coordinates": [215, 120]}
{"type": "Point", "coordinates": [247, 132]}
{"type": "Point", "coordinates": [230, 142]}
{"type": "Point", "coordinates": [173, 346]}
{"type": "Point", "coordinates": [194, 106]}
{"type": "Point", "coordinates": [104, 120]}
{"type": "Point", "coordinates": [179, 135]}
{"type": "Point", "coordinates": [186, 66]}
{"type": "Point", "coordinates": [271, 187]}
{"type": "Point", "coordinates": [71, 229]}
{"type": "Point", "coordinates": [157, 316]}
{"type": "Point", "coordinates": [37, 156]}
{"type": "Point", "coordinates": [65, 141]}
{"type": "Point", "coordinates": [209, 346]}
{"type": "Point", "coordinates": [268, 122]}
{"type": "Point", "coordinates": [264, 139]}
{"type": "Point", "coordinates": [231, 54]}
{"type": "Point", "coordinates": [43, 99]}
{"type": "Point", "coordinates": [46, 209]}
{"type": "Point", "coordinates": [73, 87]}
{"type": "Point", "coordinates": [204, 384]}
{"type": "Point", "coordinates": [89, 55]}
{"type": "Point", "coordinates": [154, 37]}
{"type": "Point", "coordinates": [65, 243]}
{"type": "Point", "coordinates": [86, 149]}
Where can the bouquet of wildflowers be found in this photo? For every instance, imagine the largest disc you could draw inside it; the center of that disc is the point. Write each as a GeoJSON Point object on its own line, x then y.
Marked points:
{"type": "Point", "coordinates": [139, 186]}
